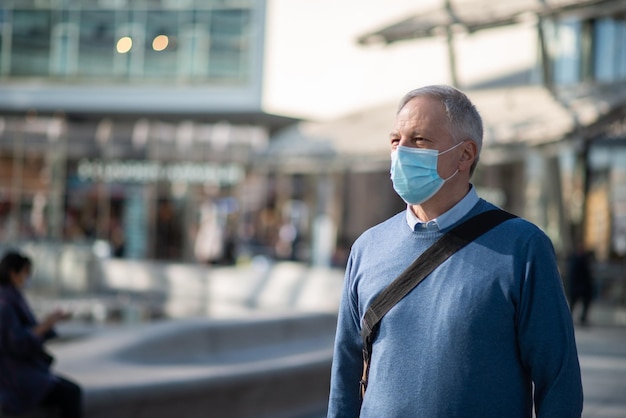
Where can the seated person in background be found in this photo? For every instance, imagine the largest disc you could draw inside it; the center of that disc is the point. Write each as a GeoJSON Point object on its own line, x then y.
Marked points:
{"type": "Point", "coordinates": [25, 377]}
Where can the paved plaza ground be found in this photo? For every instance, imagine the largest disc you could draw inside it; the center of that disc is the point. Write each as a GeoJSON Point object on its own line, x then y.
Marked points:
{"type": "Point", "coordinates": [602, 353]}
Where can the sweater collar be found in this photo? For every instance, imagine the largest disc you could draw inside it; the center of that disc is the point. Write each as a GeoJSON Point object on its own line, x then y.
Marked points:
{"type": "Point", "coordinates": [447, 219]}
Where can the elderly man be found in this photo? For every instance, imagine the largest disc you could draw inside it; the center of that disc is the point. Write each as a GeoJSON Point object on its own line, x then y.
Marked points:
{"type": "Point", "coordinates": [488, 333]}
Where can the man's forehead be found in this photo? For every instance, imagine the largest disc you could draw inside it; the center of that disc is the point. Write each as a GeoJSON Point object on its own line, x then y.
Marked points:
{"type": "Point", "coordinates": [424, 102]}
{"type": "Point", "coordinates": [421, 113]}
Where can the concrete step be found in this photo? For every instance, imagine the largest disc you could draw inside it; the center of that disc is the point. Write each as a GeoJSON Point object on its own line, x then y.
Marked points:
{"type": "Point", "coordinates": [271, 365]}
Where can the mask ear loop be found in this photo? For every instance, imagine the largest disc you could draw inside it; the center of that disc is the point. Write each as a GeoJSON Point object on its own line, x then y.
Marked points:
{"type": "Point", "coordinates": [453, 174]}
{"type": "Point", "coordinates": [450, 149]}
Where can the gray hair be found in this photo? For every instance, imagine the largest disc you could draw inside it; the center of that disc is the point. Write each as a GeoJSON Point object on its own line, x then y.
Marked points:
{"type": "Point", "coordinates": [463, 117]}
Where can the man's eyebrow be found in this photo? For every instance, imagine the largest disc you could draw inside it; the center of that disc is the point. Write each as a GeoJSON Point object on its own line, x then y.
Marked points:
{"type": "Point", "coordinates": [412, 134]}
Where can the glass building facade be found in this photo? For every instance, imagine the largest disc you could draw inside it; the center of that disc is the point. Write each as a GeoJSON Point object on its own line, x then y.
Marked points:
{"type": "Point", "coordinates": [113, 41]}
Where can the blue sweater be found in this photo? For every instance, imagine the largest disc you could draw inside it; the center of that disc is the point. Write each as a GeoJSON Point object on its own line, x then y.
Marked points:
{"type": "Point", "coordinates": [469, 341]}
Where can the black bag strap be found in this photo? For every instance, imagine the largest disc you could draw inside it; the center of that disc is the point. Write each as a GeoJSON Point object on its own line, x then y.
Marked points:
{"type": "Point", "coordinates": [455, 239]}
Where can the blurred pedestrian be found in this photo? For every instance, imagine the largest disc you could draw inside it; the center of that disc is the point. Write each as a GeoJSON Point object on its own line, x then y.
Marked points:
{"type": "Point", "coordinates": [26, 380]}
{"type": "Point", "coordinates": [580, 281]}
{"type": "Point", "coordinates": [488, 333]}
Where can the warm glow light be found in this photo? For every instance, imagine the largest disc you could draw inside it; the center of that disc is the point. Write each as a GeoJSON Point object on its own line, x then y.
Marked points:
{"type": "Point", "coordinates": [160, 42]}
{"type": "Point", "coordinates": [124, 44]}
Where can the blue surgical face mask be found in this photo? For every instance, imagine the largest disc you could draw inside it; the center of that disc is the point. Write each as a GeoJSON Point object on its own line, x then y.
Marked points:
{"type": "Point", "coordinates": [414, 173]}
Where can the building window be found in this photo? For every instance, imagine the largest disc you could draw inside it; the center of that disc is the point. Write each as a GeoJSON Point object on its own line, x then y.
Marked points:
{"type": "Point", "coordinates": [587, 50]}
{"type": "Point", "coordinates": [565, 49]}
{"type": "Point", "coordinates": [64, 49]}
{"type": "Point", "coordinates": [229, 35]}
{"type": "Point", "coordinates": [610, 49]}
{"type": "Point", "coordinates": [96, 50]}
{"type": "Point", "coordinates": [161, 43]}
{"type": "Point", "coordinates": [5, 41]}
{"type": "Point", "coordinates": [30, 49]}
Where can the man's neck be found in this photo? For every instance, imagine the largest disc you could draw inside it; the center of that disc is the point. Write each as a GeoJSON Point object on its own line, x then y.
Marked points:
{"type": "Point", "coordinates": [439, 204]}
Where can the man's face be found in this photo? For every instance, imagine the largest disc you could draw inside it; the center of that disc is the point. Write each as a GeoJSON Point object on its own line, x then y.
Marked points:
{"type": "Point", "coordinates": [423, 123]}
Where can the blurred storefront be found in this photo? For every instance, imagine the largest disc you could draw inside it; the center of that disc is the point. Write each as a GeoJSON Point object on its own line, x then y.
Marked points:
{"type": "Point", "coordinates": [142, 189]}
{"type": "Point", "coordinates": [134, 126]}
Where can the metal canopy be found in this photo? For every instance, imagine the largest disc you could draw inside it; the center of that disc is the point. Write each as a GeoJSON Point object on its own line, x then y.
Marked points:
{"type": "Point", "coordinates": [475, 15]}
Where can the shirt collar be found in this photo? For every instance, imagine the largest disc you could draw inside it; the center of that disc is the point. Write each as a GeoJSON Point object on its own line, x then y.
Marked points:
{"type": "Point", "coordinates": [447, 219]}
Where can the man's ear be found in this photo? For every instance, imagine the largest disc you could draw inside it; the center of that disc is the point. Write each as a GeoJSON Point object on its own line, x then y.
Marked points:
{"type": "Point", "coordinates": [469, 155]}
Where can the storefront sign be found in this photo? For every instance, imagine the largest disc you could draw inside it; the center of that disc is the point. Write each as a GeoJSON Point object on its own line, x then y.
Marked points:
{"type": "Point", "coordinates": [135, 171]}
